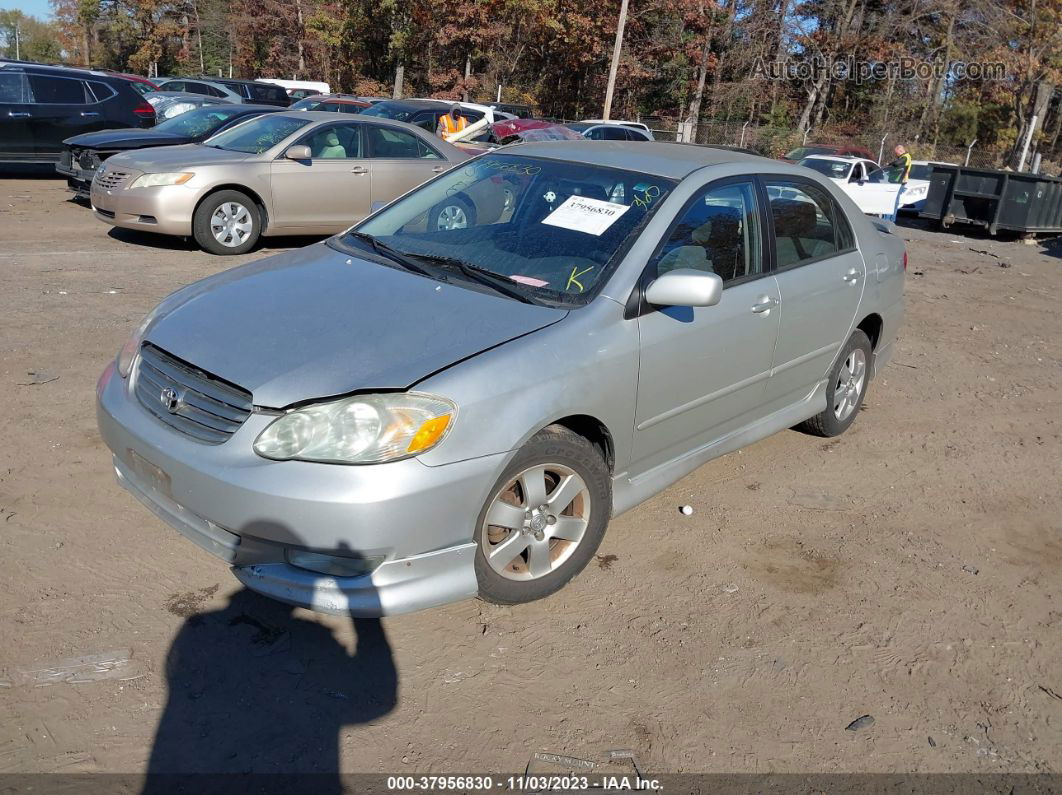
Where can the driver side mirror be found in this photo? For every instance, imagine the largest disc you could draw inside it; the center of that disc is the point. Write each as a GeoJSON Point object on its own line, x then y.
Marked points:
{"type": "Point", "coordinates": [685, 287]}
{"type": "Point", "coordinates": [298, 153]}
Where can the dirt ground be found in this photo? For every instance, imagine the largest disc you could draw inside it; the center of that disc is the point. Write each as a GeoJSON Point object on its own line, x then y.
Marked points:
{"type": "Point", "coordinates": [909, 570]}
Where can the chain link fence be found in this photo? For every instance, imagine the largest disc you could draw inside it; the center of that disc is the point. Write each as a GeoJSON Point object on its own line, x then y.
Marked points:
{"type": "Point", "coordinates": [776, 141]}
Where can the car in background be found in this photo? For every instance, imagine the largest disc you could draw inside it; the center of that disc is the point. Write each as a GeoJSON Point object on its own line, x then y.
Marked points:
{"type": "Point", "coordinates": [207, 88]}
{"type": "Point", "coordinates": [336, 103]}
{"type": "Point", "coordinates": [917, 188]}
{"type": "Point", "coordinates": [257, 92]}
{"type": "Point", "coordinates": [844, 150]}
{"type": "Point", "coordinates": [637, 125]}
{"type": "Point", "coordinates": [285, 173]}
{"type": "Point", "coordinates": [610, 131]}
{"type": "Point", "coordinates": [41, 106]}
{"type": "Point", "coordinates": [395, 419]}
{"type": "Point", "coordinates": [424, 113]}
{"type": "Point", "coordinates": [168, 104]}
{"type": "Point", "coordinates": [83, 154]}
{"type": "Point", "coordinates": [298, 89]}
{"type": "Point", "coordinates": [854, 176]}
{"type": "Point", "coordinates": [513, 109]}
{"type": "Point", "coordinates": [141, 84]}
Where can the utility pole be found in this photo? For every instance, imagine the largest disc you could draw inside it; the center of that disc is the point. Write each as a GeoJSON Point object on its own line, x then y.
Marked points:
{"type": "Point", "coordinates": [616, 49]}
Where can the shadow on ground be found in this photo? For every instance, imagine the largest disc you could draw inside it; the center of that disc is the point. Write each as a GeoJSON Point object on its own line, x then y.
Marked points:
{"type": "Point", "coordinates": [172, 243]}
{"type": "Point", "coordinates": [255, 688]}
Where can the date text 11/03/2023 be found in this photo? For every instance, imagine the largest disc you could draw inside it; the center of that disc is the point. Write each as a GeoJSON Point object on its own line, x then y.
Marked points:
{"type": "Point", "coordinates": [524, 783]}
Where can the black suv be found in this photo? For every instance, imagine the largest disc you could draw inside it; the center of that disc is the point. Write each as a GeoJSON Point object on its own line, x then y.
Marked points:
{"type": "Point", "coordinates": [42, 105]}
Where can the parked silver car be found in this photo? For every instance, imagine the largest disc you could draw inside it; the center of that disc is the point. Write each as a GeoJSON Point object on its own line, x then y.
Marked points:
{"type": "Point", "coordinates": [286, 173]}
{"type": "Point", "coordinates": [407, 415]}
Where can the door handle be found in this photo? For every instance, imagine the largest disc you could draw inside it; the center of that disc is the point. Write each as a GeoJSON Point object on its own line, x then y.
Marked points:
{"type": "Point", "coordinates": [17, 115]}
{"type": "Point", "coordinates": [764, 305]}
{"type": "Point", "coordinates": [851, 275]}
{"type": "Point", "coordinates": [359, 170]}
{"type": "Point", "coordinates": [89, 113]}
{"type": "Point", "coordinates": [438, 169]}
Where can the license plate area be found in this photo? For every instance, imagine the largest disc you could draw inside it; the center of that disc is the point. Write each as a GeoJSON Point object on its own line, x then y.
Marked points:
{"type": "Point", "coordinates": [151, 476]}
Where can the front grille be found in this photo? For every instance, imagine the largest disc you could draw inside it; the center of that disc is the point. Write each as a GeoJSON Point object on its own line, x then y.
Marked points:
{"type": "Point", "coordinates": [109, 179]}
{"type": "Point", "coordinates": [188, 399]}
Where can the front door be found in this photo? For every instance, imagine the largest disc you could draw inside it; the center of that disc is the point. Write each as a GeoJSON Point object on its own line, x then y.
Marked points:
{"type": "Point", "coordinates": [703, 370]}
{"type": "Point", "coordinates": [16, 143]}
{"type": "Point", "coordinates": [820, 275]}
{"type": "Point", "coordinates": [328, 192]}
{"type": "Point", "coordinates": [400, 162]}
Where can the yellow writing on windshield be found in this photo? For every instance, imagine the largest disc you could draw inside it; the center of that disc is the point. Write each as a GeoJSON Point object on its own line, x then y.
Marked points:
{"type": "Point", "coordinates": [573, 278]}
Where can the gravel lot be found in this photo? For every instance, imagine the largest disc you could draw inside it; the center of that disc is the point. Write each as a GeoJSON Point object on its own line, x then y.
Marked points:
{"type": "Point", "coordinates": [909, 570]}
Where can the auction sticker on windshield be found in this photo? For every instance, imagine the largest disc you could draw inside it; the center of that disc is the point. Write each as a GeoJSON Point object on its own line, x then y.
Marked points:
{"type": "Point", "coordinates": [582, 214]}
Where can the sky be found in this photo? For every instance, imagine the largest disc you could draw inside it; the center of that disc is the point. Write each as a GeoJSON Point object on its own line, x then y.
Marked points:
{"type": "Point", "coordinates": [41, 9]}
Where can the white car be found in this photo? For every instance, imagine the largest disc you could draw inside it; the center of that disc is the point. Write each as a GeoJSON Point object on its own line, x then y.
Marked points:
{"type": "Point", "coordinates": [597, 130]}
{"type": "Point", "coordinates": [870, 187]}
{"type": "Point", "coordinates": [914, 195]}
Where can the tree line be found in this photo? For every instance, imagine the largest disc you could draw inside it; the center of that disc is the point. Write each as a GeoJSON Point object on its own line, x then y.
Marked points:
{"type": "Point", "coordinates": [777, 64]}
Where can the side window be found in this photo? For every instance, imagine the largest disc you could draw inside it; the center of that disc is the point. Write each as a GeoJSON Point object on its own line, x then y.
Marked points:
{"type": "Point", "coordinates": [719, 232]}
{"type": "Point", "coordinates": [596, 134]}
{"type": "Point", "coordinates": [808, 224]}
{"type": "Point", "coordinates": [172, 85]}
{"type": "Point", "coordinates": [392, 144]}
{"type": "Point", "coordinates": [332, 107]}
{"type": "Point", "coordinates": [334, 142]}
{"type": "Point", "coordinates": [615, 134]}
{"type": "Point", "coordinates": [347, 107]}
{"type": "Point", "coordinates": [426, 121]}
{"type": "Point", "coordinates": [102, 91]}
{"type": "Point", "coordinates": [426, 152]}
{"type": "Point", "coordinates": [47, 90]}
{"type": "Point", "coordinates": [857, 173]}
{"type": "Point", "coordinates": [12, 88]}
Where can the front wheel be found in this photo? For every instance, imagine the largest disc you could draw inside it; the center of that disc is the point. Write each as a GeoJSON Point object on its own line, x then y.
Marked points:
{"type": "Point", "coordinates": [845, 390]}
{"type": "Point", "coordinates": [544, 520]}
{"type": "Point", "coordinates": [227, 222]}
{"type": "Point", "coordinates": [452, 213]}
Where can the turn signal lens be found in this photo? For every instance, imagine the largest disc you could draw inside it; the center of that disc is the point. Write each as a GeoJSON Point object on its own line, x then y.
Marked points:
{"type": "Point", "coordinates": [428, 434]}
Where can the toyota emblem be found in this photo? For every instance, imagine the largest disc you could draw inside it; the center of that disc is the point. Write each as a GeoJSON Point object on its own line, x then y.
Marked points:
{"type": "Point", "coordinates": [170, 399]}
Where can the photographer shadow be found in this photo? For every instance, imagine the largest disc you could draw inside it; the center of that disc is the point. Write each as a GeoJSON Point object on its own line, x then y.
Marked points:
{"type": "Point", "coordinates": [258, 687]}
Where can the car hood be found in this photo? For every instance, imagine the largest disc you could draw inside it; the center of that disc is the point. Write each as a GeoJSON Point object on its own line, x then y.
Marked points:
{"type": "Point", "coordinates": [315, 323]}
{"type": "Point", "coordinates": [175, 158]}
{"type": "Point", "coordinates": [125, 139]}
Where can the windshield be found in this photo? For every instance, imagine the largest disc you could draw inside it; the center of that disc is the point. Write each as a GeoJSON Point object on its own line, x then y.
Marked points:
{"type": "Point", "coordinates": [257, 135]}
{"type": "Point", "coordinates": [554, 228]}
{"type": "Point", "coordinates": [388, 110]}
{"type": "Point", "coordinates": [199, 122]}
{"type": "Point", "coordinates": [834, 169]}
{"type": "Point", "coordinates": [804, 151]}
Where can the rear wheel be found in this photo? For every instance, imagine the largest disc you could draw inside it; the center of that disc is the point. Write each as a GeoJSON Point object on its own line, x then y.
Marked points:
{"type": "Point", "coordinates": [845, 389]}
{"type": "Point", "coordinates": [544, 520]}
{"type": "Point", "coordinates": [227, 222]}
{"type": "Point", "coordinates": [452, 213]}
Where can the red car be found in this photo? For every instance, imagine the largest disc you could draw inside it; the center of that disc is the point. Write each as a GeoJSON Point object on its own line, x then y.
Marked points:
{"type": "Point", "coordinates": [141, 84]}
{"type": "Point", "coordinates": [843, 150]}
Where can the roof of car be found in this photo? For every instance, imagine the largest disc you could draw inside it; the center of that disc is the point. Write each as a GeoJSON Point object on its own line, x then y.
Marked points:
{"type": "Point", "coordinates": [420, 103]}
{"type": "Point", "coordinates": [836, 158]}
{"type": "Point", "coordinates": [10, 63]}
{"type": "Point", "coordinates": [651, 157]}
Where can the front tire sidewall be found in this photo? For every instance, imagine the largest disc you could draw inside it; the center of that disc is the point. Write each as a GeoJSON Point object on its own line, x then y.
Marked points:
{"type": "Point", "coordinates": [201, 223]}
{"type": "Point", "coordinates": [549, 447]}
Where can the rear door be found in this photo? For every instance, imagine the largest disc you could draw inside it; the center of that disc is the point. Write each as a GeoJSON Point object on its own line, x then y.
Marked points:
{"type": "Point", "coordinates": [328, 192]}
{"type": "Point", "coordinates": [16, 141]}
{"type": "Point", "coordinates": [61, 107]}
{"type": "Point", "coordinates": [703, 370]}
{"type": "Point", "coordinates": [399, 161]}
{"type": "Point", "coordinates": [820, 275]}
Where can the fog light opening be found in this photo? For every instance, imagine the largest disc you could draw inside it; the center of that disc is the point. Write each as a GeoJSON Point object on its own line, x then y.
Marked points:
{"type": "Point", "coordinates": [333, 565]}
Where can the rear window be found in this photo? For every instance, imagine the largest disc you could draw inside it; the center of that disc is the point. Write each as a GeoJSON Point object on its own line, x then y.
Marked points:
{"type": "Point", "coordinates": [269, 93]}
{"type": "Point", "coordinates": [48, 90]}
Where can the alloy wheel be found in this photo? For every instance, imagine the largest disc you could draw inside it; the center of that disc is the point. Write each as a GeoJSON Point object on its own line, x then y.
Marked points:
{"type": "Point", "coordinates": [849, 385]}
{"type": "Point", "coordinates": [452, 216]}
{"type": "Point", "coordinates": [535, 522]}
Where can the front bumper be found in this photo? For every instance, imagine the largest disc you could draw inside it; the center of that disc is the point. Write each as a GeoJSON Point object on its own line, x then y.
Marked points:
{"type": "Point", "coordinates": [78, 179]}
{"type": "Point", "coordinates": [166, 210]}
{"type": "Point", "coordinates": [247, 510]}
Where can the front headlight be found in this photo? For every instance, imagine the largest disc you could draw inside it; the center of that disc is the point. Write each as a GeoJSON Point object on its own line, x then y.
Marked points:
{"type": "Point", "coordinates": [155, 180]}
{"type": "Point", "coordinates": [365, 429]}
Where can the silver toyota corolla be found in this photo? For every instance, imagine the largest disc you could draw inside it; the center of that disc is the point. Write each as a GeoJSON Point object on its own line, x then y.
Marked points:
{"type": "Point", "coordinates": [409, 414]}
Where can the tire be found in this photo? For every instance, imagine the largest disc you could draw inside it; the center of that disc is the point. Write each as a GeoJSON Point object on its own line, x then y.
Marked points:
{"type": "Point", "coordinates": [452, 213]}
{"type": "Point", "coordinates": [211, 224]}
{"type": "Point", "coordinates": [549, 458]}
{"type": "Point", "coordinates": [845, 389]}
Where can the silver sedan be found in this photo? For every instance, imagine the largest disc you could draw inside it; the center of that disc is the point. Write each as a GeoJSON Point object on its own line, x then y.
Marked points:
{"type": "Point", "coordinates": [413, 413]}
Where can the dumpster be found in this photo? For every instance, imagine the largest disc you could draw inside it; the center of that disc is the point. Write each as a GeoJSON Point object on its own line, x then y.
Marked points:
{"type": "Point", "coordinates": [994, 199]}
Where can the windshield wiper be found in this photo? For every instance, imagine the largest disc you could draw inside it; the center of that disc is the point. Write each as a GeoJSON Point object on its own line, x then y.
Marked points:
{"type": "Point", "coordinates": [499, 283]}
{"type": "Point", "coordinates": [392, 254]}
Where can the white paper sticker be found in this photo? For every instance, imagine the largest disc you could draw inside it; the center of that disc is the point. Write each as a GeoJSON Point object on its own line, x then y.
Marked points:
{"type": "Point", "coordinates": [582, 214]}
